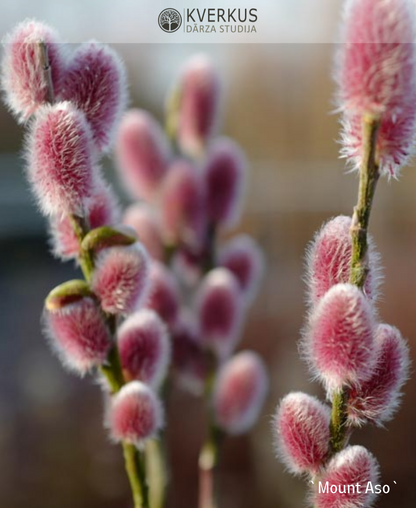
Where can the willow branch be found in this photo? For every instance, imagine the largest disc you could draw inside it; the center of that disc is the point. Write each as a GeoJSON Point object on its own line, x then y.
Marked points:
{"type": "Point", "coordinates": [369, 174]}
{"type": "Point", "coordinates": [112, 371]}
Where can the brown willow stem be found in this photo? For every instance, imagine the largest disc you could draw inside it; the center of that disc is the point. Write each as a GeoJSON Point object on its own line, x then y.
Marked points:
{"type": "Point", "coordinates": [112, 371]}
{"type": "Point", "coordinates": [47, 70]}
{"type": "Point", "coordinates": [369, 174]}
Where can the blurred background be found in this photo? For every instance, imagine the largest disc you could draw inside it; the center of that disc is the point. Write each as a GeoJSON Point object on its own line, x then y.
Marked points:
{"type": "Point", "coordinates": [277, 105]}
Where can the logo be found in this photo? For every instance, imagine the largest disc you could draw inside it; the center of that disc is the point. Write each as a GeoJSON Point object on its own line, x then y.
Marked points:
{"type": "Point", "coordinates": [170, 20]}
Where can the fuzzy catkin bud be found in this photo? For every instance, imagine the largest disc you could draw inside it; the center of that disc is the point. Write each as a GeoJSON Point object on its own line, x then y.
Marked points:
{"type": "Point", "coordinates": [182, 206]}
{"type": "Point", "coordinates": [377, 399]}
{"type": "Point", "coordinates": [301, 432]}
{"type": "Point", "coordinates": [143, 220]}
{"type": "Point", "coordinates": [198, 91]}
{"type": "Point", "coordinates": [60, 159]}
{"type": "Point", "coordinates": [95, 82]}
{"type": "Point", "coordinates": [219, 310]}
{"type": "Point", "coordinates": [144, 347]}
{"type": "Point", "coordinates": [143, 154]}
{"type": "Point", "coordinates": [224, 177]}
{"type": "Point", "coordinates": [376, 77]}
{"type": "Point", "coordinates": [376, 72]}
{"type": "Point", "coordinates": [24, 79]}
{"type": "Point", "coordinates": [164, 296]}
{"type": "Point", "coordinates": [244, 258]}
{"type": "Point", "coordinates": [395, 140]}
{"type": "Point", "coordinates": [353, 465]}
{"type": "Point", "coordinates": [121, 278]}
{"type": "Point", "coordinates": [79, 335]}
{"type": "Point", "coordinates": [240, 391]}
{"type": "Point", "coordinates": [328, 260]}
{"type": "Point", "coordinates": [339, 343]}
{"type": "Point", "coordinates": [101, 209]}
{"type": "Point", "coordinates": [135, 414]}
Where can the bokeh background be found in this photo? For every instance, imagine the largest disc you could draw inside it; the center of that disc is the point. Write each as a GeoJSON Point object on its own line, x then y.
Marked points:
{"type": "Point", "coordinates": [277, 104]}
